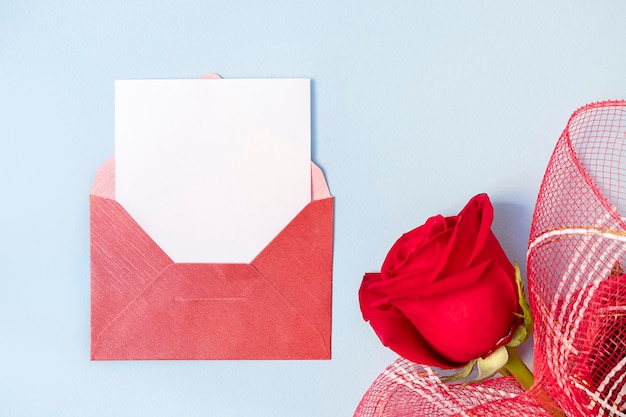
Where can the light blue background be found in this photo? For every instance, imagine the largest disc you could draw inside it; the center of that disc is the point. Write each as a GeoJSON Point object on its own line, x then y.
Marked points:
{"type": "Point", "coordinates": [417, 106]}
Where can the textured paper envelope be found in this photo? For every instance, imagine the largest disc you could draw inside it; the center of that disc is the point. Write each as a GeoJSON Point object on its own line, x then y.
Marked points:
{"type": "Point", "coordinates": [147, 306]}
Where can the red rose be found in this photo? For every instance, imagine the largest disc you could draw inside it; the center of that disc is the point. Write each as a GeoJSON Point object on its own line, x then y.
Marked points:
{"type": "Point", "coordinates": [446, 294]}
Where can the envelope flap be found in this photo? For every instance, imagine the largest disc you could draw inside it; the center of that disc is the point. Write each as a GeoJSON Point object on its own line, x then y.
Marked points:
{"type": "Point", "coordinates": [123, 256]}
{"type": "Point", "coordinates": [104, 183]}
{"type": "Point", "coordinates": [319, 188]}
{"type": "Point", "coordinates": [298, 263]}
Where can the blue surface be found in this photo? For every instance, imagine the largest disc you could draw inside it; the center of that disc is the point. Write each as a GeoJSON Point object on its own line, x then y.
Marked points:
{"type": "Point", "coordinates": [417, 106]}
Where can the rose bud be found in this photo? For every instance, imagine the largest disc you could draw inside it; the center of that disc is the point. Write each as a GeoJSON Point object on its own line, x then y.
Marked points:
{"type": "Point", "coordinates": [446, 294]}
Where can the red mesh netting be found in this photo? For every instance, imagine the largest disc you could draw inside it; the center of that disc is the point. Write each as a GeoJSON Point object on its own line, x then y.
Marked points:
{"type": "Point", "coordinates": [577, 293]}
{"type": "Point", "coordinates": [576, 249]}
{"type": "Point", "coordinates": [407, 389]}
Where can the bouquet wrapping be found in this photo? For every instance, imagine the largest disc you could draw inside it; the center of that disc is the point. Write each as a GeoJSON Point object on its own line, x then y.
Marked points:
{"type": "Point", "coordinates": [577, 292]}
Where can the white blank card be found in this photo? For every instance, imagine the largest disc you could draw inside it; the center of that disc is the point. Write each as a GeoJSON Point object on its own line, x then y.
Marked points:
{"type": "Point", "coordinates": [213, 169]}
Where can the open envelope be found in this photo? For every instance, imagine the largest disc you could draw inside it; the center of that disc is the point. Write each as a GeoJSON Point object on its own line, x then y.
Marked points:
{"type": "Point", "coordinates": [145, 306]}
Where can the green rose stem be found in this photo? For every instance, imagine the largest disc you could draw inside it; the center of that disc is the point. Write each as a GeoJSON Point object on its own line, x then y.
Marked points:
{"type": "Point", "coordinates": [517, 368]}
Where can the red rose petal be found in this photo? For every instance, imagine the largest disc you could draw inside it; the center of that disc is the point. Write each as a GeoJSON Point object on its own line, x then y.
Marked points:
{"type": "Point", "coordinates": [414, 288]}
{"type": "Point", "coordinates": [470, 234]}
{"type": "Point", "coordinates": [485, 213]}
{"type": "Point", "coordinates": [395, 330]}
{"type": "Point", "coordinates": [422, 264]}
{"type": "Point", "coordinates": [465, 324]}
{"type": "Point", "coordinates": [404, 250]}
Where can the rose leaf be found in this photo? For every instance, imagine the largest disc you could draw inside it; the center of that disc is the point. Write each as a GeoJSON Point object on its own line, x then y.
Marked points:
{"type": "Point", "coordinates": [488, 366]}
{"type": "Point", "coordinates": [461, 373]}
{"type": "Point", "coordinates": [523, 330]}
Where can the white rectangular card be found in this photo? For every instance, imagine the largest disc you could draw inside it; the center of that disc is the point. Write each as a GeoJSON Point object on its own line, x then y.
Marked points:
{"type": "Point", "coordinates": [213, 169]}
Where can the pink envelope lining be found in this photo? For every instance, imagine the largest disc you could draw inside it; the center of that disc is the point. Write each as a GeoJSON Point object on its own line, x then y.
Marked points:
{"type": "Point", "coordinates": [104, 187]}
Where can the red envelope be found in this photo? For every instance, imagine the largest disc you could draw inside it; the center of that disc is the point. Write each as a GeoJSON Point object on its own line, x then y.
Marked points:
{"type": "Point", "coordinates": [145, 306]}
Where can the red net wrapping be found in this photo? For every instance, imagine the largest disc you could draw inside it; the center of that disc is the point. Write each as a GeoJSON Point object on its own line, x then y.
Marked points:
{"type": "Point", "coordinates": [576, 251]}
{"type": "Point", "coordinates": [577, 291]}
{"type": "Point", "coordinates": [407, 389]}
